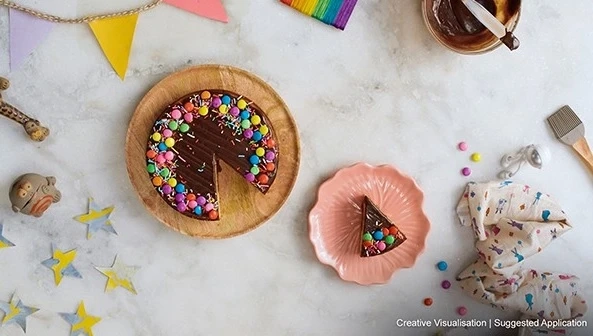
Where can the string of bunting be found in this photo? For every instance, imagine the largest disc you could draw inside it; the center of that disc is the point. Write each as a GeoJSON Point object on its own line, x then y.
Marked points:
{"type": "Point", "coordinates": [114, 31]}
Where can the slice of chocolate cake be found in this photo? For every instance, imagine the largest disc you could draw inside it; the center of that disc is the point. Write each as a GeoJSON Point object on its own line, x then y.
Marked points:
{"type": "Point", "coordinates": [379, 234]}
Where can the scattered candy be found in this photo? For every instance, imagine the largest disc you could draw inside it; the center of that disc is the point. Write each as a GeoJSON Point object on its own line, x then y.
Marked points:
{"type": "Point", "coordinates": [180, 188]}
{"type": "Point", "coordinates": [167, 133]}
{"type": "Point", "coordinates": [162, 146]}
{"type": "Point", "coordinates": [462, 146]}
{"type": "Point", "coordinates": [446, 284]}
{"type": "Point", "coordinates": [181, 207]}
{"type": "Point", "coordinates": [165, 172]}
{"type": "Point", "coordinates": [264, 129]}
{"type": "Point", "coordinates": [428, 302]}
{"type": "Point", "coordinates": [476, 157]}
{"type": "Point", "coordinates": [224, 109]}
{"type": "Point", "coordinates": [466, 171]}
{"type": "Point", "coordinates": [462, 311]}
{"type": "Point", "coordinates": [192, 204]}
{"type": "Point", "coordinates": [270, 166]}
{"type": "Point", "coordinates": [191, 197]}
{"type": "Point", "coordinates": [270, 156]}
{"type": "Point", "coordinates": [442, 265]}
{"type": "Point", "coordinates": [179, 198]}
{"type": "Point", "coordinates": [160, 159]}
{"type": "Point", "coordinates": [157, 181]}
{"type": "Point", "coordinates": [198, 210]}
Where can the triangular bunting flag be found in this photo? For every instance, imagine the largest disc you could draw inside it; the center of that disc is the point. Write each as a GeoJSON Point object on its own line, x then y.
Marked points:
{"type": "Point", "coordinates": [26, 33]}
{"type": "Point", "coordinates": [212, 9]}
{"type": "Point", "coordinates": [115, 36]}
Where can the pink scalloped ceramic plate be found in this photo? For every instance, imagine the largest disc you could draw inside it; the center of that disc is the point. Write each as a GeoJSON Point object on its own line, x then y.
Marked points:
{"type": "Point", "coordinates": [335, 221]}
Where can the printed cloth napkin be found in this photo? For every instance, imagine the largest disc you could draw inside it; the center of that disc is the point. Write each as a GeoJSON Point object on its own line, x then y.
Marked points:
{"type": "Point", "coordinates": [511, 223]}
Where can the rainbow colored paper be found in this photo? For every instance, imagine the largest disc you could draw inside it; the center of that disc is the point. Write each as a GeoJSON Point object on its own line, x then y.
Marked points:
{"type": "Point", "coordinates": [332, 12]}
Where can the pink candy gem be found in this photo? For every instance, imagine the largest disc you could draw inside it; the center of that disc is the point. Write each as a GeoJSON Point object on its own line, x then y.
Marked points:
{"type": "Point", "coordinates": [466, 171]}
{"type": "Point", "coordinates": [381, 246]}
{"type": "Point", "coordinates": [160, 158]}
{"type": "Point", "coordinates": [176, 114]}
{"type": "Point", "coordinates": [167, 133]}
{"type": "Point", "coordinates": [192, 204]}
{"type": "Point", "coordinates": [188, 117]}
{"type": "Point", "coordinates": [208, 206]}
{"type": "Point", "coordinates": [216, 102]}
{"type": "Point", "coordinates": [462, 146]}
{"type": "Point", "coordinates": [234, 111]}
{"type": "Point", "coordinates": [461, 310]}
{"type": "Point", "coordinates": [169, 156]}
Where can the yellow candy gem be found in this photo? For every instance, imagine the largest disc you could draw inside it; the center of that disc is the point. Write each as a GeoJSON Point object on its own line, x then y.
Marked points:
{"type": "Point", "coordinates": [172, 182]}
{"type": "Point", "coordinates": [255, 120]}
{"type": "Point", "coordinates": [476, 157]}
{"type": "Point", "coordinates": [260, 151]}
{"type": "Point", "coordinates": [241, 104]}
{"type": "Point", "coordinates": [203, 110]}
{"type": "Point", "coordinates": [223, 109]}
{"type": "Point", "coordinates": [170, 142]}
{"type": "Point", "coordinates": [156, 136]}
{"type": "Point", "coordinates": [264, 130]}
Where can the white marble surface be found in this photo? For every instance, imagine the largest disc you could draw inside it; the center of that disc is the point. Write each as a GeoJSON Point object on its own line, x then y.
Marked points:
{"type": "Point", "coordinates": [383, 91]}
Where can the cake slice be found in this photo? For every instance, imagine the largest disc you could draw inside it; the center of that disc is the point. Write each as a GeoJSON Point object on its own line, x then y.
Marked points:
{"type": "Point", "coordinates": [379, 234]}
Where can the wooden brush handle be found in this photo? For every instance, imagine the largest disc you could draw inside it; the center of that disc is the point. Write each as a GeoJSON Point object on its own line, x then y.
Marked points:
{"type": "Point", "coordinates": [582, 147]}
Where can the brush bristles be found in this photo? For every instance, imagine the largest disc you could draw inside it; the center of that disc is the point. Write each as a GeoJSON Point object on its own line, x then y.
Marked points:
{"type": "Point", "coordinates": [564, 121]}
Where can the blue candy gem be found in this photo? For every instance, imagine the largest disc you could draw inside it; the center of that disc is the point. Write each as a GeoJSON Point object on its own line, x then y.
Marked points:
{"type": "Point", "coordinates": [198, 210]}
{"type": "Point", "coordinates": [180, 188]}
{"type": "Point", "coordinates": [256, 136]}
{"type": "Point", "coordinates": [226, 99]}
{"type": "Point", "coordinates": [245, 115]}
{"type": "Point", "coordinates": [378, 235]}
{"type": "Point", "coordinates": [162, 146]}
{"type": "Point", "coordinates": [254, 159]}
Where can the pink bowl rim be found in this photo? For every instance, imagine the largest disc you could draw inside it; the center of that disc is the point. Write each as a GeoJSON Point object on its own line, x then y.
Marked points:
{"type": "Point", "coordinates": [422, 213]}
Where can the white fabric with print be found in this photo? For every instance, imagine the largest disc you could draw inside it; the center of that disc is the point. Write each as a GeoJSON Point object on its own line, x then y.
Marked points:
{"type": "Point", "coordinates": [511, 223]}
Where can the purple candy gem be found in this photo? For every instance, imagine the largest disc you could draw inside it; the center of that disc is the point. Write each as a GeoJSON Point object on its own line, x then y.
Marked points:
{"type": "Point", "coordinates": [201, 200]}
{"type": "Point", "coordinates": [248, 133]}
{"type": "Point", "coordinates": [179, 198]}
{"type": "Point", "coordinates": [270, 156]}
{"type": "Point", "coordinates": [167, 189]}
{"type": "Point", "coordinates": [446, 284]}
{"type": "Point", "coordinates": [250, 177]}
{"type": "Point", "coordinates": [208, 206]}
{"type": "Point", "coordinates": [234, 111]}
{"type": "Point", "coordinates": [216, 102]}
{"type": "Point", "coordinates": [181, 207]}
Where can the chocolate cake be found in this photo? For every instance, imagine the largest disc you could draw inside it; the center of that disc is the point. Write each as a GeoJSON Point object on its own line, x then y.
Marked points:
{"type": "Point", "coordinates": [194, 134]}
{"type": "Point", "coordinates": [379, 234]}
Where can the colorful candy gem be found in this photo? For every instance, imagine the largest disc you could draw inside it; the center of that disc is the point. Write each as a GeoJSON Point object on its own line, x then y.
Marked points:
{"type": "Point", "coordinates": [184, 128]}
{"type": "Point", "coordinates": [270, 166]}
{"type": "Point", "coordinates": [167, 189]}
{"type": "Point", "coordinates": [248, 133]}
{"type": "Point", "coordinates": [462, 311]}
{"type": "Point", "coordinates": [198, 210]}
{"type": "Point", "coordinates": [213, 215]}
{"type": "Point", "coordinates": [162, 146]}
{"type": "Point", "coordinates": [176, 114]}
{"type": "Point", "coordinates": [367, 236]}
{"type": "Point", "coordinates": [378, 235]}
{"type": "Point", "coordinates": [151, 168]}
{"type": "Point", "coordinates": [428, 302]}
{"type": "Point", "coordinates": [442, 265]}
{"type": "Point", "coordinates": [156, 137]}
{"type": "Point", "coordinates": [201, 200]}
{"type": "Point", "coordinates": [367, 243]}
{"type": "Point", "coordinates": [192, 204]}
{"type": "Point", "coordinates": [246, 124]}
{"type": "Point", "coordinates": [157, 181]}
{"type": "Point", "coordinates": [189, 106]}
{"type": "Point", "coordinates": [385, 231]}
{"type": "Point", "coordinates": [169, 156]}
{"type": "Point", "coordinates": [165, 172]}
{"type": "Point", "coordinates": [205, 95]}
{"type": "Point", "coordinates": [270, 156]}
{"type": "Point", "coordinates": [216, 102]}
{"type": "Point", "coordinates": [245, 115]}
{"type": "Point", "coordinates": [381, 246]}
{"type": "Point", "coordinates": [191, 197]}
{"type": "Point", "coordinates": [254, 170]}
{"type": "Point", "coordinates": [203, 110]}
{"type": "Point", "coordinates": [151, 154]}
{"type": "Point", "coordinates": [254, 159]}
{"type": "Point", "coordinates": [476, 157]}
{"type": "Point", "coordinates": [181, 207]}
{"type": "Point", "coordinates": [234, 111]}
{"type": "Point", "coordinates": [226, 99]}
{"type": "Point", "coordinates": [260, 151]}
{"type": "Point", "coordinates": [446, 284]}
{"type": "Point", "coordinates": [389, 240]}
{"type": "Point", "coordinates": [264, 129]}
{"type": "Point", "coordinates": [263, 178]}
{"type": "Point", "coordinates": [271, 143]}
{"type": "Point", "coordinates": [167, 133]}
{"type": "Point", "coordinates": [170, 142]}
{"type": "Point", "coordinates": [466, 171]}
{"type": "Point", "coordinates": [255, 120]}
{"type": "Point", "coordinates": [241, 104]}
{"type": "Point", "coordinates": [462, 146]}
{"type": "Point", "coordinates": [223, 109]}
{"type": "Point", "coordinates": [188, 117]}
{"type": "Point", "coordinates": [179, 198]}
{"type": "Point", "coordinates": [208, 206]}
{"type": "Point", "coordinates": [250, 177]}
{"type": "Point", "coordinates": [173, 125]}
{"type": "Point", "coordinates": [160, 159]}
{"type": "Point", "coordinates": [393, 230]}
{"type": "Point", "coordinates": [172, 182]}
{"type": "Point", "coordinates": [180, 188]}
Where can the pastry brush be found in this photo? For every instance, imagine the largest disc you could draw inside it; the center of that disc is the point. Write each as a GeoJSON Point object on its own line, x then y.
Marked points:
{"type": "Point", "coordinates": [569, 129]}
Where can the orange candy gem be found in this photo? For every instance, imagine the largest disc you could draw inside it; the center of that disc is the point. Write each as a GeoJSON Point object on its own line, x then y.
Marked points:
{"type": "Point", "coordinates": [385, 232]}
{"type": "Point", "coordinates": [393, 230]}
{"type": "Point", "coordinates": [205, 95]}
{"type": "Point", "coordinates": [428, 302]}
{"type": "Point", "coordinates": [213, 214]}
{"type": "Point", "coordinates": [191, 197]}
{"type": "Point", "coordinates": [263, 178]}
{"type": "Point", "coordinates": [271, 143]}
{"type": "Point", "coordinates": [157, 181]}
{"type": "Point", "coordinates": [188, 106]}
{"type": "Point", "coordinates": [270, 166]}
{"type": "Point", "coordinates": [151, 154]}
{"type": "Point", "coordinates": [367, 243]}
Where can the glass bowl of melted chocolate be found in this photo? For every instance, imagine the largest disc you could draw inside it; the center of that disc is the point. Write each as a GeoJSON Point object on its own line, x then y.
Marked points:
{"type": "Point", "coordinates": [454, 26]}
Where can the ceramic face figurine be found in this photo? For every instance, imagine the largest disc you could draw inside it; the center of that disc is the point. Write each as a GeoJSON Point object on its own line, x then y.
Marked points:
{"type": "Point", "coordinates": [32, 194]}
{"type": "Point", "coordinates": [33, 128]}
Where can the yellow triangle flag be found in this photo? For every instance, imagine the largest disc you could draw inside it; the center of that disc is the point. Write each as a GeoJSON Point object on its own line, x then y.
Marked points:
{"type": "Point", "coordinates": [115, 36]}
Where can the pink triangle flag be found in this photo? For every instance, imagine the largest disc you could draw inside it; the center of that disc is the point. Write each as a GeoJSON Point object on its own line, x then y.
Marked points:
{"type": "Point", "coordinates": [212, 9]}
{"type": "Point", "coordinates": [26, 33]}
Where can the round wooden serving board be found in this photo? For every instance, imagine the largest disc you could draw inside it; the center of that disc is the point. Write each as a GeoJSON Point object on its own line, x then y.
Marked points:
{"type": "Point", "coordinates": [242, 207]}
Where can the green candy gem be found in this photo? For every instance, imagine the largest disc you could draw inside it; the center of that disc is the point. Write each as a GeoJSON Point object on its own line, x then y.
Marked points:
{"type": "Point", "coordinates": [165, 172]}
{"type": "Point", "coordinates": [245, 123]}
{"type": "Point", "coordinates": [151, 168]}
{"type": "Point", "coordinates": [254, 170]}
{"type": "Point", "coordinates": [184, 128]}
{"type": "Point", "coordinates": [367, 237]}
{"type": "Point", "coordinates": [173, 125]}
{"type": "Point", "coordinates": [389, 240]}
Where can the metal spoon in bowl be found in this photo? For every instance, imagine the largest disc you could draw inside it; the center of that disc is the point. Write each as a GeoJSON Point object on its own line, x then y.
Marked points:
{"type": "Point", "coordinates": [492, 23]}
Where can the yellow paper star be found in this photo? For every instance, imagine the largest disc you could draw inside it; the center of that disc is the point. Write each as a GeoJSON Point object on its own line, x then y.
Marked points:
{"type": "Point", "coordinates": [61, 264]}
{"type": "Point", "coordinates": [81, 322]}
{"type": "Point", "coordinates": [97, 219]}
{"type": "Point", "coordinates": [119, 275]}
